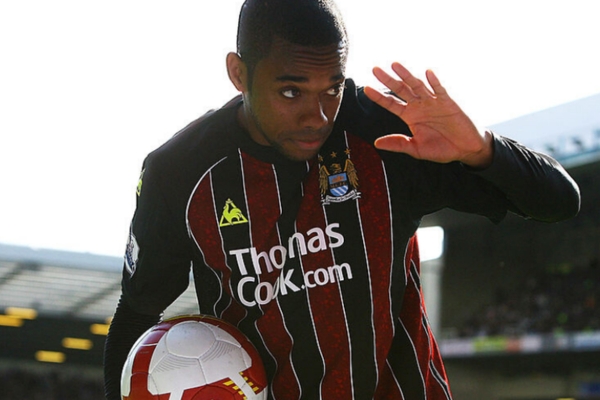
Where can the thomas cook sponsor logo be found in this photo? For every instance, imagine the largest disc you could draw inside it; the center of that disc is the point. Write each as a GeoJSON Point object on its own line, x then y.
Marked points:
{"type": "Point", "coordinates": [265, 292]}
{"type": "Point", "coordinates": [338, 184]}
{"type": "Point", "coordinates": [251, 291]}
{"type": "Point", "coordinates": [232, 215]}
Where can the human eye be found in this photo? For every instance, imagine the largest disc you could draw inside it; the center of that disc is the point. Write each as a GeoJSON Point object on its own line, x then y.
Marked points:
{"type": "Point", "coordinates": [336, 90]}
{"type": "Point", "coordinates": [290, 93]}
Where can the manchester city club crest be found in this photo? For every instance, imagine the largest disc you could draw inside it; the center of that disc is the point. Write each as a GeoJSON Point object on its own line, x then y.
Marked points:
{"type": "Point", "coordinates": [338, 184]}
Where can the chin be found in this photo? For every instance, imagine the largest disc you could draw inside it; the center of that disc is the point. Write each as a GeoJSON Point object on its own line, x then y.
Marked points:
{"type": "Point", "coordinates": [298, 155]}
{"type": "Point", "coordinates": [294, 153]}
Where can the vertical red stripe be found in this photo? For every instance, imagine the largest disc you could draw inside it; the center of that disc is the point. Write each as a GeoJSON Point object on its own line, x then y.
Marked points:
{"type": "Point", "coordinates": [410, 314]}
{"type": "Point", "coordinates": [204, 225]}
{"type": "Point", "coordinates": [376, 223]}
{"type": "Point", "coordinates": [387, 388]}
{"type": "Point", "coordinates": [420, 335]}
{"type": "Point", "coordinates": [263, 213]}
{"type": "Point", "coordinates": [326, 303]}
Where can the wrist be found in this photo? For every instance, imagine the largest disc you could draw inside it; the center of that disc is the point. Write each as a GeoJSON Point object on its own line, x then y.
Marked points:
{"type": "Point", "coordinates": [482, 158]}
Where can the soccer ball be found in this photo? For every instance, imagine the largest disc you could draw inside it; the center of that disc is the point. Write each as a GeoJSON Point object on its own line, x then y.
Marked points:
{"type": "Point", "coordinates": [193, 357]}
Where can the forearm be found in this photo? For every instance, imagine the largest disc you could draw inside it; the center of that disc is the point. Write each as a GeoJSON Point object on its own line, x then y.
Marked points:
{"type": "Point", "coordinates": [126, 327]}
{"type": "Point", "coordinates": [536, 184]}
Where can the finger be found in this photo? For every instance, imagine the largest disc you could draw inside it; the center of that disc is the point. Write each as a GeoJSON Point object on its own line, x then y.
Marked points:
{"type": "Point", "coordinates": [398, 87]}
{"type": "Point", "coordinates": [387, 101]}
{"type": "Point", "coordinates": [433, 80]}
{"type": "Point", "coordinates": [417, 86]}
{"type": "Point", "coordinates": [396, 143]}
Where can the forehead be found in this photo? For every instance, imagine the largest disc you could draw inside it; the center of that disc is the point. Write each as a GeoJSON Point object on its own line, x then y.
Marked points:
{"type": "Point", "coordinates": [287, 59]}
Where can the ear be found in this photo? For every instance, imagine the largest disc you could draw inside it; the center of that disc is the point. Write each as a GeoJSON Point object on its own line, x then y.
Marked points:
{"type": "Point", "coordinates": [237, 71]}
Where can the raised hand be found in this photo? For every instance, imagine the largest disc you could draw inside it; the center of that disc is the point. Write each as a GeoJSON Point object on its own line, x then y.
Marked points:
{"type": "Point", "coordinates": [442, 132]}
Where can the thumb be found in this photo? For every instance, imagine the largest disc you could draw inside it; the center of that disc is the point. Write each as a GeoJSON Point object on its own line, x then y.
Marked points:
{"type": "Point", "coordinates": [396, 143]}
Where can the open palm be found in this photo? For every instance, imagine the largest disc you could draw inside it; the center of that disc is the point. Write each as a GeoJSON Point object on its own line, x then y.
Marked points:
{"type": "Point", "coordinates": [442, 132]}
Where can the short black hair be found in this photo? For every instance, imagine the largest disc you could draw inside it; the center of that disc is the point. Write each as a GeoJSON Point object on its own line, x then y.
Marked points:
{"type": "Point", "coordinates": [302, 22]}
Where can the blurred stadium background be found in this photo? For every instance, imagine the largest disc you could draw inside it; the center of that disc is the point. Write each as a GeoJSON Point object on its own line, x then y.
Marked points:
{"type": "Point", "coordinates": [515, 306]}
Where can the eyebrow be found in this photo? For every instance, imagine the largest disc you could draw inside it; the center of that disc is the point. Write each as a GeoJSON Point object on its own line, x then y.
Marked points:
{"type": "Point", "coordinates": [303, 79]}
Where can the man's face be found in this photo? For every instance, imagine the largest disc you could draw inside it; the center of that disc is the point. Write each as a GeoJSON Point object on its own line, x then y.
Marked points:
{"type": "Point", "coordinates": [295, 97]}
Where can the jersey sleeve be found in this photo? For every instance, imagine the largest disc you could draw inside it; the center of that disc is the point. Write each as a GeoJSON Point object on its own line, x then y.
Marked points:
{"type": "Point", "coordinates": [520, 180]}
{"type": "Point", "coordinates": [157, 259]}
{"type": "Point", "coordinates": [125, 328]}
{"type": "Point", "coordinates": [534, 183]}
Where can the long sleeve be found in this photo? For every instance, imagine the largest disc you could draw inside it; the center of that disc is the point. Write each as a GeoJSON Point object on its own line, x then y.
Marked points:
{"type": "Point", "coordinates": [536, 184]}
{"type": "Point", "coordinates": [126, 327]}
{"type": "Point", "coordinates": [156, 271]}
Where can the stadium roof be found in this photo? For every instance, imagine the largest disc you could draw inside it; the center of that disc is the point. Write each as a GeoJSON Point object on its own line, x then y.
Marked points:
{"type": "Point", "coordinates": [569, 132]}
{"type": "Point", "coordinates": [66, 284]}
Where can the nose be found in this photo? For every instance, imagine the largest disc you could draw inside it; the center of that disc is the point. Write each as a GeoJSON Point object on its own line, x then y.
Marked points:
{"type": "Point", "coordinates": [314, 116]}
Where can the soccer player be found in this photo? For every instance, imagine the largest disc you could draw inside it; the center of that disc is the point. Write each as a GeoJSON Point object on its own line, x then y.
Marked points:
{"type": "Point", "coordinates": [295, 206]}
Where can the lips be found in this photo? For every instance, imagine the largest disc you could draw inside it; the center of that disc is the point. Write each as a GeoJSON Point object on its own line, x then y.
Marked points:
{"type": "Point", "coordinates": [310, 140]}
{"type": "Point", "coordinates": [309, 144]}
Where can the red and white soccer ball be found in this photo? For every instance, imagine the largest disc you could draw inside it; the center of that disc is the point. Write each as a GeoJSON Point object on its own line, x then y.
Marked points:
{"type": "Point", "coordinates": [193, 358]}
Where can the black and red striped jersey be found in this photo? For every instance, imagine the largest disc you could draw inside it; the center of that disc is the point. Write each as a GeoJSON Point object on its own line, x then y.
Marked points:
{"type": "Point", "coordinates": [316, 262]}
